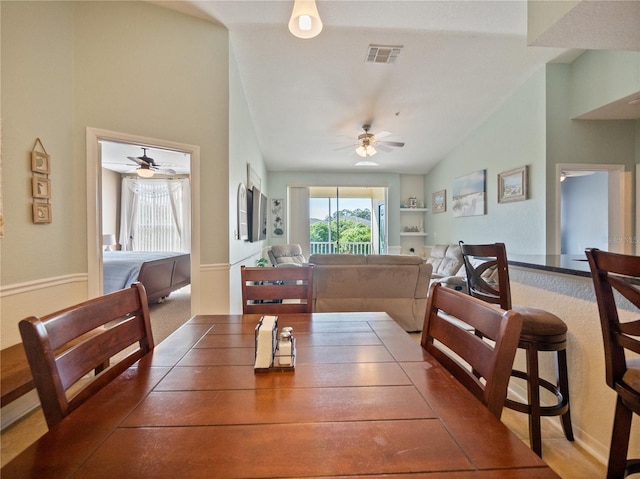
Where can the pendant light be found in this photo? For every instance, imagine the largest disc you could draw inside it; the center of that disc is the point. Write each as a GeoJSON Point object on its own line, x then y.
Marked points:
{"type": "Point", "coordinates": [305, 21]}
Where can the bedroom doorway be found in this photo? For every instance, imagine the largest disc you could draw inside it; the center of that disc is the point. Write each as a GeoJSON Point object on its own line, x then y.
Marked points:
{"type": "Point", "coordinates": [112, 156]}
{"type": "Point", "coordinates": [612, 231]}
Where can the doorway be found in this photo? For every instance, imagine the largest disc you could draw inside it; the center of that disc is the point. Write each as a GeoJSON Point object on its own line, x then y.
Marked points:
{"type": "Point", "coordinates": [95, 139]}
{"type": "Point", "coordinates": [593, 208]}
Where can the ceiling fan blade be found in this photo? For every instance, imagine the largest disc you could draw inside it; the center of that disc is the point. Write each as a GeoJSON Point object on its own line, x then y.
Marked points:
{"type": "Point", "coordinates": [382, 134]}
{"type": "Point", "coordinates": [381, 147]}
{"type": "Point", "coordinates": [391, 143]}
{"type": "Point", "coordinates": [346, 146]}
{"type": "Point", "coordinates": [136, 160]}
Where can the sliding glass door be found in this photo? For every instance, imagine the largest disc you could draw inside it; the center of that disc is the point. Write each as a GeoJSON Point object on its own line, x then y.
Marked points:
{"type": "Point", "coordinates": [341, 220]}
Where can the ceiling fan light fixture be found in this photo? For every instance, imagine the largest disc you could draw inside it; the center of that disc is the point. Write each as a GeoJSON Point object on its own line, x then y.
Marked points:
{"type": "Point", "coordinates": [144, 172]}
{"type": "Point", "coordinates": [365, 151]}
{"type": "Point", "coordinates": [305, 21]}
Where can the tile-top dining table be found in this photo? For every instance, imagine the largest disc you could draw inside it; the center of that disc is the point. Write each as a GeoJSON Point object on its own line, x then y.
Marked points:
{"type": "Point", "coordinates": [364, 399]}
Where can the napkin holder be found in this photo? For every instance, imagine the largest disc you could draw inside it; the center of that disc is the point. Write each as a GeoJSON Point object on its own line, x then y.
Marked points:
{"type": "Point", "coordinates": [267, 357]}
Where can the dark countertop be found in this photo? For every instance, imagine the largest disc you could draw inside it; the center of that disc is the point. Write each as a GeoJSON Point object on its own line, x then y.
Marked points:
{"type": "Point", "coordinates": [574, 264]}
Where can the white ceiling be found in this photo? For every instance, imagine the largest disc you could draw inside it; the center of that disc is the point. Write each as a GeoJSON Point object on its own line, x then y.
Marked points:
{"type": "Point", "coordinates": [459, 62]}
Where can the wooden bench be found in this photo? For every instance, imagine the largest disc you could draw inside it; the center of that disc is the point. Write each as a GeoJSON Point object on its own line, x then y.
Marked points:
{"type": "Point", "coordinates": [15, 379]}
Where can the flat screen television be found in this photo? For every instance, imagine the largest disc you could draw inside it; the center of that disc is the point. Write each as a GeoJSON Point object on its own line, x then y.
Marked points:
{"type": "Point", "coordinates": [263, 217]}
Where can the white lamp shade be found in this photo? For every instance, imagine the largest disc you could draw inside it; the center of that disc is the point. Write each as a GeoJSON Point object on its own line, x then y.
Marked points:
{"type": "Point", "coordinates": [144, 172]}
{"type": "Point", "coordinates": [305, 21]}
{"type": "Point", "coordinates": [365, 151]}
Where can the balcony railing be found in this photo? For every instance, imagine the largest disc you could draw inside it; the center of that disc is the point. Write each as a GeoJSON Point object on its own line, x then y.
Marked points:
{"type": "Point", "coordinates": [325, 247]}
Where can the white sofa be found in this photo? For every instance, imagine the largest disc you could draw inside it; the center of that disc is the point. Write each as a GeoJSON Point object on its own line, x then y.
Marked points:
{"type": "Point", "coordinates": [448, 266]}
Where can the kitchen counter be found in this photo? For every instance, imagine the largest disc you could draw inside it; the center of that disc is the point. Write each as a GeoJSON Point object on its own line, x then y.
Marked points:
{"type": "Point", "coordinates": [574, 264]}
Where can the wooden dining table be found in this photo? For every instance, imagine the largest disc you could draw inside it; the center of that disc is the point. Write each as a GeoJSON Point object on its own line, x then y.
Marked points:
{"type": "Point", "coordinates": [364, 399]}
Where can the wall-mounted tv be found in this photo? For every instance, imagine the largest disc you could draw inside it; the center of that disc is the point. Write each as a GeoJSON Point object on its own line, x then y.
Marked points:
{"type": "Point", "coordinates": [263, 217]}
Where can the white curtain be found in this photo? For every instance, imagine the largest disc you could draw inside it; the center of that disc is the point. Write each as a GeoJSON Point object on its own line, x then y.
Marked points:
{"type": "Point", "coordinates": [155, 215]}
{"type": "Point", "coordinates": [298, 215]}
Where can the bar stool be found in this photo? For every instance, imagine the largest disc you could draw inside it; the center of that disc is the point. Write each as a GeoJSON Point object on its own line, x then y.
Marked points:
{"type": "Point", "coordinates": [488, 279]}
{"type": "Point", "coordinates": [614, 275]}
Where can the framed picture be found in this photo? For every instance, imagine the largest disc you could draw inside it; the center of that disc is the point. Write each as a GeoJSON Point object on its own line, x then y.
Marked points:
{"type": "Point", "coordinates": [41, 187]}
{"type": "Point", "coordinates": [243, 225]}
{"type": "Point", "coordinates": [469, 194]}
{"type": "Point", "coordinates": [41, 213]}
{"type": "Point", "coordinates": [512, 185]}
{"type": "Point", "coordinates": [40, 162]}
{"type": "Point", "coordinates": [277, 218]}
{"type": "Point", "coordinates": [439, 201]}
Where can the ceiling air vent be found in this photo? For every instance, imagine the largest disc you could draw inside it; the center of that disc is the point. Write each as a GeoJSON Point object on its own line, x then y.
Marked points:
{"type": "Point", "coordinates": [383, 53]}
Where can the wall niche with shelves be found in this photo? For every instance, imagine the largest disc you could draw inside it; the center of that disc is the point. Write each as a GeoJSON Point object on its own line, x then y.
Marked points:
{"type": "Point", "coordinates": [413, 215]}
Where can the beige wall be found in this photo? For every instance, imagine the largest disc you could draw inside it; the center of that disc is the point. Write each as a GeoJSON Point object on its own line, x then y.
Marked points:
{"type": "Point", "coordinates": [128, 67]}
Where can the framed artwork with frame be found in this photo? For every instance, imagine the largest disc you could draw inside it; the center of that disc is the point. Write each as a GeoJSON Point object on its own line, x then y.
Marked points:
{"type": "Point", "coordinates": [243, 225]}
{"type": "Point", "coordinates": [512, 185]}
{"type": "Point", "coordinates": [41, 187]}
{"type": "Point", "coordinates": [469, 194]}
{"type": "Point", "coordinates": [41, 213]}
{"type": "Point", "coordinates": [40, 162]}
{"type": "Point", "coordinates": [439, 201]}
{"type": "Point", "coordinates": [277, 218]}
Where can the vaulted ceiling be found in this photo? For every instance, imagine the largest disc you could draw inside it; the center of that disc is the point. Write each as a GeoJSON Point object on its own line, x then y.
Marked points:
{"type": "Point", "coordinates": [459, 61]}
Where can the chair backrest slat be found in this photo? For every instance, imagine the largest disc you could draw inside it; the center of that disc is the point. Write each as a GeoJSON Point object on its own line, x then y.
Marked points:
{"type": "Point", "coordinates": [277, 290]}
{"type": "Point", "coordinates": [72, 363]}
{"type": "Point", "coordinates": [72, 322]}
{"type": "Point", "coordinates": [482, 367]}
{"type": "Point", "coordinates": [479, 261]}
{"type": "Point", "coordinates": [64, 346]}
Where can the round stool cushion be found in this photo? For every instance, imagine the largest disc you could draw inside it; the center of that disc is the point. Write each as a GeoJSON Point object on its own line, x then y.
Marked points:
{"type": "Point", "coordinates": [632, 375]}
{"type": "Point", "coordinates": [537, 322]}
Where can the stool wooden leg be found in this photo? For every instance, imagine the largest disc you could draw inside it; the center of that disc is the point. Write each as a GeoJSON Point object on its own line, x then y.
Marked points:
{"type": "Point", "coordinates": [563, 386]}
{"type": "Point", "coordinates": [619, 441]}
{"type": "Point", "coordinates": [533, 391]}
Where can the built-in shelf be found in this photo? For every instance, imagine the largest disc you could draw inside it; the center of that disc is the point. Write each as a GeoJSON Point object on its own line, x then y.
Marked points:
{"type": "Point", "coordinates": [411, 233]}
{"type": "Point", "coordinates": [414, 210]}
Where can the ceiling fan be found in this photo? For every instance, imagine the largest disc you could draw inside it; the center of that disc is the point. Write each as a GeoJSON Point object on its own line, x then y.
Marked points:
{"type": "Point", "coordinates": [147, 166]}
{"type": "Point", "coordinates": [368, 143]}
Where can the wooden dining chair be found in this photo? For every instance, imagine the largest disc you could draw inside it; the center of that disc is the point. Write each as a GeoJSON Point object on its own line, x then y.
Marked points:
{"type": "Point", "coordinates": [616, 279]}
{"type": "Point", "coordinates": [64, 347]}
{"type": "Point", "coordinates": [277, 290]}
{"type": "Point", "coordinates": [488, 279]}
{"type": "Point", "coordinates": [482, 367]}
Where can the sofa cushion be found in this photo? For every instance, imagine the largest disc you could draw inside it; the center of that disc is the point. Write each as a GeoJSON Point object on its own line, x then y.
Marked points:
{"type": "Point", "coordinates": [286, 254]}
{"type": "Point", "coordinates": [370, 281]}
{"type": "Point", "coordinates": [446, 260]}
{"type": "Point", "coordinates": [338, 259]}
{"type": "Point", "coordinates": [386, 259]}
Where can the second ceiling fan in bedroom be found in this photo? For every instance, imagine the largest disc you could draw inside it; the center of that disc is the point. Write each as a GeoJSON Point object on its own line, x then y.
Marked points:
{"type": "Point", "coordinates": [147, 167]}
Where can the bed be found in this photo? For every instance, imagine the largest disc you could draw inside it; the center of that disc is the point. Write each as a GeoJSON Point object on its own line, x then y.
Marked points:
{"type": "Point", "coordinates": [159, 272]}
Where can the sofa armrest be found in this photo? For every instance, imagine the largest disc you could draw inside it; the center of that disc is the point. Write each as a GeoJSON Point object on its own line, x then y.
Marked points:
{"type": "Point", "coordinates": [458, 283]}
